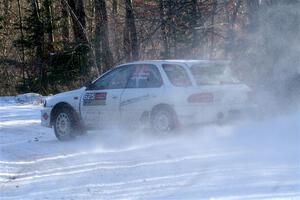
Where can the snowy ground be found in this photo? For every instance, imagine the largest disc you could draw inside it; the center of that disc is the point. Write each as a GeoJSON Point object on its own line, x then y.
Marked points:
{"type": "Point", "coordinates": [250, 160]}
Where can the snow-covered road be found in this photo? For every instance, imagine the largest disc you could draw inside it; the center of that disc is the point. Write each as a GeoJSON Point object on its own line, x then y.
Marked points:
{"type": "Point", "coordinates": [250, 160]}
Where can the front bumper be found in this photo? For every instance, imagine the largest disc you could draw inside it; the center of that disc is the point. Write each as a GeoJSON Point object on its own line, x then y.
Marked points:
{"type": "Point", "coordinates": [46, 117]}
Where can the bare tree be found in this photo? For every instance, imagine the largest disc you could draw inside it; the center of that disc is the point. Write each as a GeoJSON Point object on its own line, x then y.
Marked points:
{"type": "Point", "coordinates": [115, 21]}
{"type": "Point", "coordinates": [78, 18]}
{"type": "Point", "coordinates": [22, 38]}
{"type": "Point", "coordinates": [212, 39]}
{"type": "Point", "coordinates": [65, 23]}
{"type": "Point", "coordinates": [103, 53]}
{"type": "Point", "coordinates": [48, 23]}
{"type": "Point", "coordinates": [163, 29]}
{"type": "Point", "coordinates": [130, 35]}
{"type": "Point", "coordinates": [252, 8]}
{"type": "Point", "coordinates": [195, 14]}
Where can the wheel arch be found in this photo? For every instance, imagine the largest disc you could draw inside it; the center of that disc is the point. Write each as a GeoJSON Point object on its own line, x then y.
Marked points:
{"type": "Point", "coordinates": [59, 106]}
{"type": "Point", "coordinates": [170, 109]}
{"type": "Point", "coordinates": [166, 107]}
{"type": "Point", "coordinates": [162, 106]}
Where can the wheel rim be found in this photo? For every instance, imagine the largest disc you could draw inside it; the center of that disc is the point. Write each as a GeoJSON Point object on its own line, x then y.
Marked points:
{"type": "Point", "coordinates": [63, 124]}
{"type": "Point", "coordinates": [162, 122]}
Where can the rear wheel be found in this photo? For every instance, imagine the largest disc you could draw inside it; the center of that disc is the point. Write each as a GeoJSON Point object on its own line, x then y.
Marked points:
{"type": "Point", "coordinates": [163, 121]}
{"type": "Point", "coordinates": [64, 124]}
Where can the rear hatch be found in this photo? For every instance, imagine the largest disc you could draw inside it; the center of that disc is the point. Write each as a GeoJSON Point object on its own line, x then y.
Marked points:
{"type": "Point", "coordinates": [216, 84]}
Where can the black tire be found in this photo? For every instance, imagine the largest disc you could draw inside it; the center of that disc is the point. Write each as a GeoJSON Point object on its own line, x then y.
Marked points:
{"type": "Point", "coordinates": [64, 125]}
{"type": "Point", "coordinates": [163, 120]}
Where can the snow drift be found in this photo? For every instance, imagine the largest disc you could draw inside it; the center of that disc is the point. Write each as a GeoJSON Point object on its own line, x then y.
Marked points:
{"type": "Point", "coordinates": [245, 160]}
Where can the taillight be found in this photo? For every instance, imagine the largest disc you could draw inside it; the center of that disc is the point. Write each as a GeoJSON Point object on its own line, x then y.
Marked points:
{"type": "Point", "coordinates": [201, 98]}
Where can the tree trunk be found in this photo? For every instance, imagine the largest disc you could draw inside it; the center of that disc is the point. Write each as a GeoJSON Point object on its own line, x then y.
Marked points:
{"type": "Point", "coordinates": [48, 23]}
{"type": "Point", "coordinates": [212, 39]}
{"type": "Point", "coordinates": [65, 23]}
{"type": "Point", "coordinates": [230, 43]}
{"type": "Point", "coordinates": [163, 28]}
{"type": "Point", "coordinates": [82, 48]}
{"type": "Point", "coordinates": [253, 7]}
{"type": "Point", "coordinates": [130, 34]}
{"type": "Point", "coordinates": [171, 30]}
{"type": "Point", "coordinates": [195, 16]}
{"type": "Point", "coordinates": [90, 27]}
{"type": "Point", "coordinates": [116, 45]}
{"type": "Point", "coordinates": [22, 39]}
{"type": "Point", "coordinates": [39, 40]}
{"type": "Point", "coordinates": [6, 7]}
{"type": "Point", "coordinates": [103, 52]}
{"type": "Point", "coordinates": [78, 19]}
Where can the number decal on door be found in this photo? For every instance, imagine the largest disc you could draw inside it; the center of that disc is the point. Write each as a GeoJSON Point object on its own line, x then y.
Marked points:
{"type": "Point", "coordinates": [94, 99]}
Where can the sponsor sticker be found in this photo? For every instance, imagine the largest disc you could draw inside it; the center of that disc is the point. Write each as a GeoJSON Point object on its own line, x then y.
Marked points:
{"type": "Point", "coordinates": [94, 99]}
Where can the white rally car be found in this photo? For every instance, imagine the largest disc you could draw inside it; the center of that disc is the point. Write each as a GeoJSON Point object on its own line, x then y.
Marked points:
{"type": "Point", "coordinates": [163, 94]}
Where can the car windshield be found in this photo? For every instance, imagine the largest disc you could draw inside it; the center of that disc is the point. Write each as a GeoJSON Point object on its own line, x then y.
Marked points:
{"type": "Point", "coordinates": [212, 74]}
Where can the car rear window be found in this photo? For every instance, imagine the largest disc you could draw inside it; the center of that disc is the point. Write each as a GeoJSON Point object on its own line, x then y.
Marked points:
{"type": "Point", "coordinates": [177, 75]}
{"type": "Point", "coordinates": [212, 74]}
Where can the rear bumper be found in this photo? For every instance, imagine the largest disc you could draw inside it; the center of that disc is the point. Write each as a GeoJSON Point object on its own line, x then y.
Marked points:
{"type": "Point", "coordinates": [46, 117]}
{"type": "Point", "coordinates": [242, 112]}
{"type": "Point", "coordinates": [206, 114]}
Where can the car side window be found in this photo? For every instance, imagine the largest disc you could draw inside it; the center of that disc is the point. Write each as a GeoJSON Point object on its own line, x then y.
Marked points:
{"type": "Point", "coordinates": [145, 76]}
{"type": "Point", "coordinates": [115, 79]}
{"type": "Point", "coordinates": [177, 75]}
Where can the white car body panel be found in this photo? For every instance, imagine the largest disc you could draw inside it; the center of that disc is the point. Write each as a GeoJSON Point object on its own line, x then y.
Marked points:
{"type": "Point", "coordinates": [128, 105]}
{"type": "Point", "coordinates": [97, 116]}
{"type": "Point", "coordinates": [71, 97]}
{"type": "Point", "coordinates": [136, 101]}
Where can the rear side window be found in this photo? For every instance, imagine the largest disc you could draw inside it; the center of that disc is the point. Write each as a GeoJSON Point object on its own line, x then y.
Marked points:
{"type": "Point", "coordinates": [177, 75]}
{"type": "Point", "coordinates": [144, 76]}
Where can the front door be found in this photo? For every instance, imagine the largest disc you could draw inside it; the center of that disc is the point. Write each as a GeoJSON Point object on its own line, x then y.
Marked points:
{"type": "Point", "coordinates": [100, 104]}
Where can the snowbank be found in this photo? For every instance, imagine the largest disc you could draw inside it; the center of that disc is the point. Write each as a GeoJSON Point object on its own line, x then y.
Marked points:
{"type": "Point", "coordinates": [28, 98]}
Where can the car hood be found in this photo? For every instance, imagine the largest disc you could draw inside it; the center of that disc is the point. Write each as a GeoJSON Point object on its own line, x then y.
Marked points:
{"type": "Point", "coordinates": [68, 97]}
{"type": "Point", "coordinates": [69, 93]}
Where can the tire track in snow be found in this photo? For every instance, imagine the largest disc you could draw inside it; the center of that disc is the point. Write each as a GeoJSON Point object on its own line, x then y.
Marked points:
{"type": "Point", "coordinates": [84, 168]}
{"type": "Point", "coordinates": [75, 155]}
{"type": "Point", "coordinates": [156, 186]}
{"type": "Point", "coordinates": [110, 188]}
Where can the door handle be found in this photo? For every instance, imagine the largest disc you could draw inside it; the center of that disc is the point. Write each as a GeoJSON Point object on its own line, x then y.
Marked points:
{"type": "Point", "coordinates": [114, 97]}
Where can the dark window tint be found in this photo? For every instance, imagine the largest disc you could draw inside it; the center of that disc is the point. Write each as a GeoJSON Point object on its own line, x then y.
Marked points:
{"type": "Point", "coordinates": [115, 79]}
{"type": "Point", "coordinates": [144, 76]}
{"type": "Point", "coordinates": [177, 75]}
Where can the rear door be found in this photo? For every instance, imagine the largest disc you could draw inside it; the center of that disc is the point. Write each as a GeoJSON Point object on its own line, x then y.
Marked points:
{"type": "Point", "coordinates": [143, 91]}
{"type": "Point", "coordinates": [189, 100]}
{"type": "Point", "coordinates": [101, 102]}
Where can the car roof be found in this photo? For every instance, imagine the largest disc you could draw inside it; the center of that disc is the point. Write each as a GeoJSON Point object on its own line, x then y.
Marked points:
{"type": "Point", "coordinates": [188, 62]}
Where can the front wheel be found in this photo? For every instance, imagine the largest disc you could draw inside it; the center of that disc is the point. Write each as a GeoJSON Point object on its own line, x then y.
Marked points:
{"type": "Point", "coordinates": [64, 124]}
{"type": "Point", "coordinates": [163, 121]}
